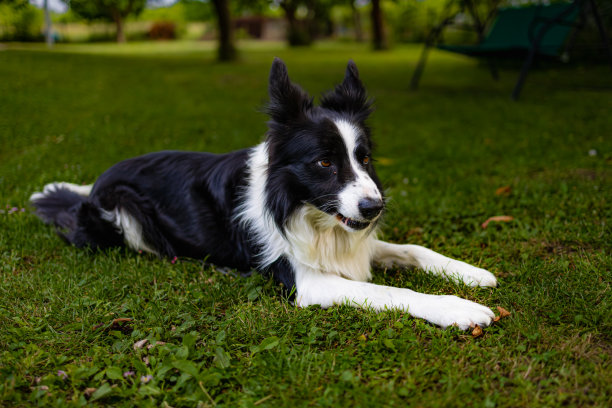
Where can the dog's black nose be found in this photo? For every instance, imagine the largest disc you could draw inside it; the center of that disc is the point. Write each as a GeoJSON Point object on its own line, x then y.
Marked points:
{"type": "Point", "coordinates": [370, 207]}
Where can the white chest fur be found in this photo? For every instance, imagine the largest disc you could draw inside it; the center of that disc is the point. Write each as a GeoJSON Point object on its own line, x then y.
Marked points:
{"type": "Point", "coordinates": [317, 241]}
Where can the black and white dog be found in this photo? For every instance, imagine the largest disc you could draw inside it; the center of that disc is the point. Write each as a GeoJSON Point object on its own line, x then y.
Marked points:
{"type": "Point", "coordinates": [303, 207]}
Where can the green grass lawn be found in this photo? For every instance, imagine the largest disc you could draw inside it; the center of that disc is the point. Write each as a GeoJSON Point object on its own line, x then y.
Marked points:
{"type": "Point", "coordinates": [443, 152]}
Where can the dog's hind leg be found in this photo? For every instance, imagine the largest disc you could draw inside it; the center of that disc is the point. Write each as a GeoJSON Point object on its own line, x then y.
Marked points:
{"type": "Point", "coordinates": [136, 218]}
{"type": "Point", "coordinates": [432, 262]}
{"type": "Point", "coordinates": [316, 288]}
{"type": "Point", "coordinates": [93, 230]}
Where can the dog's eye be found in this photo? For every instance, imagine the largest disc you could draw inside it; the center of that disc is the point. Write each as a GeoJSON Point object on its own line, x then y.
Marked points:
{"type": "Point", "coordinates": [324, 163]}
{"type": "Point", "coordinates": [366, 160]}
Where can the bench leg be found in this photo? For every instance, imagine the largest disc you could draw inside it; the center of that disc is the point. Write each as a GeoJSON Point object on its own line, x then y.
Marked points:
{"type": "Point", "coordinates": [418, 71]}
{"type": "Point", "coordinates": [523, 75]}
{"type": "Point", "coordinates": [602, 31]}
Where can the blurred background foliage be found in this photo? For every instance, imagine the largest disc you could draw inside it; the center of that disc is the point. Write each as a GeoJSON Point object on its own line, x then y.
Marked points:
{"type": "Point", "coordinates": [300, 22]}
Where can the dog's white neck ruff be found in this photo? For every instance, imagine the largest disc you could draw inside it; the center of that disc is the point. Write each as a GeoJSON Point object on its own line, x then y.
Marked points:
{"type": "Point", "coordinates": [312, 239]}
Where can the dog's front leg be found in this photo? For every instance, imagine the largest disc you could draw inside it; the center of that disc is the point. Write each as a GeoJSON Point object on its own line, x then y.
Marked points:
{"type": "Point", "coordinates": [326, 290]}
{"type": "Point", "coordinates": [432, 262]}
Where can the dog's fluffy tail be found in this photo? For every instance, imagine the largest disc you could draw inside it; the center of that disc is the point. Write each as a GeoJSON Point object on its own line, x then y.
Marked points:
{"type": "Point", "coordinates": [58, 204]}
{"type": "Point", "coordinates": [76, 219]}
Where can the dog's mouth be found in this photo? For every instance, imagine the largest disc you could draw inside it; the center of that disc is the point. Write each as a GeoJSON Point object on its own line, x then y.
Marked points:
{"type": "Point", "coordinates": [351, 223]}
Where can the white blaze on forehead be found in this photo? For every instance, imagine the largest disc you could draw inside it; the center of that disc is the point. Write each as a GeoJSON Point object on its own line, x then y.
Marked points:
{"type": "Point", "coordinates": [363, 186]}
{"type": "Point", "coordinates": [349, 135]}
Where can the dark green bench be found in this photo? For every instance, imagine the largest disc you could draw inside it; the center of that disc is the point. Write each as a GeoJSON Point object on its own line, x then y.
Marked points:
{"type": "Point", "coordinates": [524, 32]}
{"type": "Point", "coordinates": [515, 30]}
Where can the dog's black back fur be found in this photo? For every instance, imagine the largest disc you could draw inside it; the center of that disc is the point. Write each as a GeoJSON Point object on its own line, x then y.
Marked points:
{"type": "Point", "coordinates": [182, 200]}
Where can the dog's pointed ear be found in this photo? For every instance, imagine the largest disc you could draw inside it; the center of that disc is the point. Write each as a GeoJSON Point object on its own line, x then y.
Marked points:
{"type": "Point", "coordinates": [351, 78]}
{"type": "Point", "coordinates": [288, 102]}
{"type": "Point", "coordinates": [350, 96]}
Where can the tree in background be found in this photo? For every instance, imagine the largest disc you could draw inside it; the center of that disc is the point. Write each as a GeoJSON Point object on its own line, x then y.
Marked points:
{"type": "Point", "coordinates": [19, 21]}
{"type": "Point", "coordinates": [15, 3]}
{"type": "Point", "coordinates": [356, 20]}
{"type": "Point", "coordinates": [199, 10]}
{"type": "Point", "coordinates": [110, 10]}
{"type": "Point", "coordinates": [379, 41]}
{"type": "Point", "coordinates": [297, 31]}
{"type": "Point", "coordinates": [307, 19]}
{"type": "Point", "coordinates": [226, 50]}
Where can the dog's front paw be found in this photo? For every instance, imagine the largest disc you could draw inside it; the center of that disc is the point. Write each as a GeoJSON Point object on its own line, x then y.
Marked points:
{"type": "Point", "coordinates": [447, 311]}
{"type": "Point", "coordinates": [470, 275]}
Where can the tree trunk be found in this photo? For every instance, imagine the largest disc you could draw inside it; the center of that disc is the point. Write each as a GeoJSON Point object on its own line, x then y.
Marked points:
{"type": "Point", "coordinates": [48, 26]}
{"type": "Point", "coordinates": [226, 51]}
{"type": "Point", "coordinates": [378, 30]}
{"type": "Point", "coordinates": [357, 22]}
{"type": "Point", "coordinates": [119, 24]}
{"type": "Point", "coordinates": [298, 33]}
{"type": "Point", "coordinates": [311, 21]}
{"type": "Point", "coordinates": [292, 30]}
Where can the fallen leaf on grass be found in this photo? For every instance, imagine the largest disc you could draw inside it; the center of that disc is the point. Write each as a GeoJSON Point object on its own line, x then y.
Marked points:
{"type": "Point", "coordinates": [477, 332]}
{"type": "Point", "coordinates": [121, 324]}
{"type": "Point", "coordinates": [140, 344]}
{"type": "Point", "coordinates": [505, 190]}
{"type": "Point", "coordinates": [157, 343]}
{"type": "Point", "coordinates": [88, 391]}
{"type": "Point", "coordinates": [502, 312]}
{"type": "Point", "coordinates": [497, 218]}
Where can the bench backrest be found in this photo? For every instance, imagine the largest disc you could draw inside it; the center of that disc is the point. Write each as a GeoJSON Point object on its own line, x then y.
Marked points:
{"type": "Point", "coordinates": [517, 27]}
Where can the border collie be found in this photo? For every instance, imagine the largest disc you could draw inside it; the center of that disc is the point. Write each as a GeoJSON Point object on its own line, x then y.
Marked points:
{"type": "Point", "coordinates": [302, 207]}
